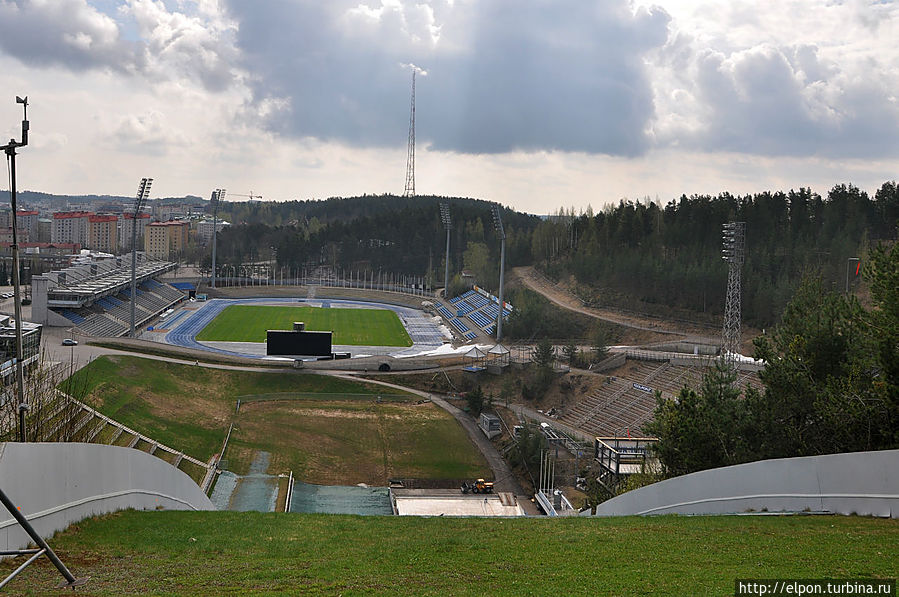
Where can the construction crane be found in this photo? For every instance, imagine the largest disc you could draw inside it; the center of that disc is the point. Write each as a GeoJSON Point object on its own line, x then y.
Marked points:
{"type": "Point", "coordinates": [251, 196]}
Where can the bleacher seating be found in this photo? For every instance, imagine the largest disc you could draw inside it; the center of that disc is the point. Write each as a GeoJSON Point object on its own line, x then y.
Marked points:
{"type": "Point", "coordinates": [111, 315]}
{"type": "Point", "coordinates": [480, 319]}
{"type": "Point", "coordinates": [103, 326]}
{"type": "Point", "coordinates": [72, 316]}
{"type": "Point", "coordinates": [469, 335]}
{"type": "Point", "coordinates": [618, 407]}
{"type": "Point", "coordinates": [459, 325]}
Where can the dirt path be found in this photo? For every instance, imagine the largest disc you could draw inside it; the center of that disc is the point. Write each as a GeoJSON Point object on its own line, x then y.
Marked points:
{"type": "Point", "coordinates": [667, 330]}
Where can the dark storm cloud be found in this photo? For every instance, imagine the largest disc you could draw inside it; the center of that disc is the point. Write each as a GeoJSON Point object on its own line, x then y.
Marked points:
{"type": "Point", "coordinates": [502, 75]}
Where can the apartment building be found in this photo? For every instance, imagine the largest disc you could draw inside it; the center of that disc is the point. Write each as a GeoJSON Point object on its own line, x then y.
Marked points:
{"type": "Point", "coordinates": [103, 233]}
{"type": "Point", "coordinates": [166, 240]}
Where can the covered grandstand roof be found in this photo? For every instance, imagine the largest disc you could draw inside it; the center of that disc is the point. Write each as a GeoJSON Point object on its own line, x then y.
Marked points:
{"type": "Point", "coordinates": [80, 284]}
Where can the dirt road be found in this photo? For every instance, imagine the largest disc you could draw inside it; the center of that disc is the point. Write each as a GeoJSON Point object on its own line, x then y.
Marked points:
{"type": "Point", "coordinates": [665, 330]}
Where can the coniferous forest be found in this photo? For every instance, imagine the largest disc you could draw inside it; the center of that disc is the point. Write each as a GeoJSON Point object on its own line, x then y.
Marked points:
{"type": "Point", "coordinates": [637, 253]}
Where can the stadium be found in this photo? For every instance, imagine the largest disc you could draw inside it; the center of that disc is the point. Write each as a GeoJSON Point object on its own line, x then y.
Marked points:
{"type": "Point", "coordinates": [95, 300]}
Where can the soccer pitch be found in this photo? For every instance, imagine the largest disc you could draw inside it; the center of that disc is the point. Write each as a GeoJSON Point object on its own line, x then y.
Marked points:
{"type": "Point", "coordinates": [355, 327]}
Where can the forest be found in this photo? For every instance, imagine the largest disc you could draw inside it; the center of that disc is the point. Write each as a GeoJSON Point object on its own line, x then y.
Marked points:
{"type": "Point", "coordinates": [640, 255]}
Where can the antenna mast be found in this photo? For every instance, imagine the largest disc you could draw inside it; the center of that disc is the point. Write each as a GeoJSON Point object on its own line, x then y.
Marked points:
{"type": "Point", "coordinates": [734, 241]}
{"type": "Point", "coordinates": [409, 190]}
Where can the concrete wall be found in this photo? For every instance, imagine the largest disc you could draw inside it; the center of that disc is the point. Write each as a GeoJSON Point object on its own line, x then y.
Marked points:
{"type": "Point", "coordinates": [865, 483]}
{"type": "Point", "coordinates": [56, 484]}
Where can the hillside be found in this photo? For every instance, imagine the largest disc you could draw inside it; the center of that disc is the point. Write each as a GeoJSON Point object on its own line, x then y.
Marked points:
{"type": "Point", "coordinates": [229, 553]}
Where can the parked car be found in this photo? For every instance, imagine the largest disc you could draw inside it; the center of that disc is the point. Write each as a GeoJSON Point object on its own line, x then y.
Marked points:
{"type": "Point", "coordinates": [70, 342]}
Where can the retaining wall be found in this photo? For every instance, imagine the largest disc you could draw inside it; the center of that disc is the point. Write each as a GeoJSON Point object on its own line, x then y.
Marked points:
{"type": "Point", "coordinates": [865, 483]}
{"type": "Point", "coordinates": [56, 484]}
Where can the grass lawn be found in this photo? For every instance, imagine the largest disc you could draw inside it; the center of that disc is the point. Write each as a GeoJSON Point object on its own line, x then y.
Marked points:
{"type": "Point", "coordinates": [355, 441]}
{"type": "Point", "coordinates": [357, 327]}
{"type": "Point", "coordinates": [230, 553]}
{"type": "Point", "coordinates": [327, 430]}
{"type": "Point", "coordinates": [186, 407]}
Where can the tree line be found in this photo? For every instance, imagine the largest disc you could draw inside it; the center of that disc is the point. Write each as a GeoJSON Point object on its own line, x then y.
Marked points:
{"type": "Point", "coordinates": [670, 255]}
{"type": "Point", "coordinates": [636, 254]}
{"type": "Point", "coordinates": [831, 383]}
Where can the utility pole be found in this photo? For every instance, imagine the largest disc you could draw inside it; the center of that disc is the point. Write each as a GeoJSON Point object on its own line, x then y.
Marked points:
{"type": "Point", "coordinates": [43, 548]}
{"type": "Point", "coordinates": [10, 149]}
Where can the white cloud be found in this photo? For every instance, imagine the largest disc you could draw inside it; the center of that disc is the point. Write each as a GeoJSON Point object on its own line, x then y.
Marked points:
{"type": "Point", "coordinates": [534, 104]}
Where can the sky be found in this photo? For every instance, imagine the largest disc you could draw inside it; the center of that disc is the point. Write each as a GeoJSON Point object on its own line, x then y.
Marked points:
{"type": "Point", "coordinates": [536, 104]}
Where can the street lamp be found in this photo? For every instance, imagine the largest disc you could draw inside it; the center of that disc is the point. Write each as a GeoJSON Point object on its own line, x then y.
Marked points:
{"type": "Point", "coordinates": [143, 191]}
{"type": "Point", "coordinates": [10, 149]}
{"type": "Point", "coordinates": [44, 548]}
{"type": "Point", "coordinates": [448, 224]}
{"type": "Point", "coordinates": [498, 224]}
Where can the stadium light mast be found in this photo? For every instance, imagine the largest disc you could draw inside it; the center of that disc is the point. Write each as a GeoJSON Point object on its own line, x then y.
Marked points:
{"type": "Point", "coordinates": [217, 196]}
{"type": "Point", "coordinates": [143, 191]}
{"type": "Point", "coordinates": [734, 240]}
{"type": "Point", "coordinates": [498, 224]}
{"type": "Point", "coordinates": [10, 149]}
{"type": "Point", "coordinates": [448, 225]}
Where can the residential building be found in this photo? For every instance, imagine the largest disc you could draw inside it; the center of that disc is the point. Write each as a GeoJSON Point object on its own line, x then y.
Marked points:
{"type": "Point", "coordinates": [103, 233]}
{"type": "Point", "coordinates": [166, 240]}
{"type": "Point", "coordinates": [125, 225]}
{"type": "Point", "coordinates": [70, 227]}
{"type": "Point", "coordinates": [44, 228]}
{"type": "Point", "coordinates": [204, 229]}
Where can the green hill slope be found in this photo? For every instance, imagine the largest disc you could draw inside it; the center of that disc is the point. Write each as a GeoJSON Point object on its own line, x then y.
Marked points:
{"type": "Point", "coordinates": [229, 553]}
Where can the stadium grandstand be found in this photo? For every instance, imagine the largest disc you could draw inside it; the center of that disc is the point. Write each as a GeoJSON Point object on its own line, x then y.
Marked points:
{"type": "Point", "coordinates": [479, 307]}
{"type": "Point", "coordinates": [627, 400]}
{"type": "Point", "coordinates": [95, 297]}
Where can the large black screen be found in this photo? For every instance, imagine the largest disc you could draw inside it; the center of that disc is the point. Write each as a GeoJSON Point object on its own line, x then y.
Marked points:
{"type": "Point", "coordinates": [304, 343]}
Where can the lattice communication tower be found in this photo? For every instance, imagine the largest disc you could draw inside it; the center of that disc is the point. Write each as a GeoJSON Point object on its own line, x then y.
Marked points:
{"type": "Point", "coordinates": [733, 252]}
{"type": "Point", "coordinates": [409, 190]}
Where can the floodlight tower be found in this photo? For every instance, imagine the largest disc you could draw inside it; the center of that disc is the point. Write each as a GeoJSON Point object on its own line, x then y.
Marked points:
{"type": "Point", "coordinates": [143, 191]}
{"type": "Point", "coordinates": [217, 196]}
{"type": "Point", "coordinates": [409, 190]}
{"type": "Point", "coordinates": [10, 149]}
{"type": "Point", "coordinates": [498, 224]}
{"type": "Point", "coordinates": [734, 240]}
{"type": "Point", "coordinates": [448, 225]}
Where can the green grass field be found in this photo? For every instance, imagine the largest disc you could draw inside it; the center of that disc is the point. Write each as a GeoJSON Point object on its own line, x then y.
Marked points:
{"type": "Point", "coordinates": [325, 429]}
{"type": "Point", "coordinates": [184, 406]}
{"type": "Point", "coordinates": [356, 327]}
{"type": "Point", "coordinates": [231, 553]}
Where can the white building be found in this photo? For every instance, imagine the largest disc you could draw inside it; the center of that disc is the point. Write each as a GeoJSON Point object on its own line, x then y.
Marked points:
{"type": "Point", "coordinates": [204, 229]}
